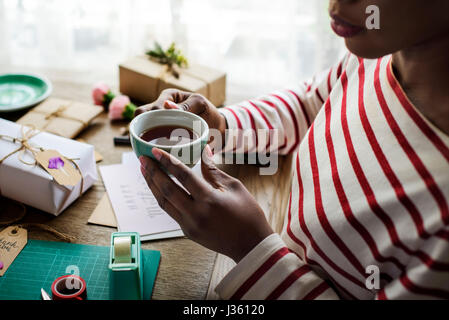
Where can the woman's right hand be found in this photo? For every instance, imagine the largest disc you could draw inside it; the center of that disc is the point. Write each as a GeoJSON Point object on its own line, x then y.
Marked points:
{"type": "Point", "coordinates": [188, 101]}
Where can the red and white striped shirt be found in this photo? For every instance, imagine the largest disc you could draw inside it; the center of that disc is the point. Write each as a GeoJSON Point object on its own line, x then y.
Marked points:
{"type": "Point", "coordinates": [371, 188]}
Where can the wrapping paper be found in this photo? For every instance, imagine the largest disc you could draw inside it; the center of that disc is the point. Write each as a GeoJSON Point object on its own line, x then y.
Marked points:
{"type": "Point", "coordinates": [62, 117]}
{"type": "Point", "coordinates": [31, 184]}
{"type": "Point", "coordinates": [143, 80]}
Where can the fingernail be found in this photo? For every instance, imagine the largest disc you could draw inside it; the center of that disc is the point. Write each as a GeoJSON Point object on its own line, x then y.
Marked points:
{"type": "Point", "coordinates": [156, 153]}
{"type": "Point", "coordinates": [170, 104]}
{"type": "Point", "coordinates": [209, 151]}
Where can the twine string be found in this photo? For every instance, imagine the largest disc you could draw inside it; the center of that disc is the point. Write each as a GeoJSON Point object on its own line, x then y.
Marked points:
{"type": "Point", "coordinates": [26, 135]}
{"type": "Point", "coordinates": [59, 113]}
{"type": "Point", "coordinates": [24, 144]}
{"type": "Point", "coordinates": [173, 69]}
{"type": "Point", "coordinates": [33, 226]}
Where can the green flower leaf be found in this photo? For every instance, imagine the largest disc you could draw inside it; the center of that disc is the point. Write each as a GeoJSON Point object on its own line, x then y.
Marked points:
{"type": "Point", "coordinates": [171, 56]}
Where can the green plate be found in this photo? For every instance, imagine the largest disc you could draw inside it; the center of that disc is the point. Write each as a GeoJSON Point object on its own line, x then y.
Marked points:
{"type": "Point", "coordinates": [21, 91]}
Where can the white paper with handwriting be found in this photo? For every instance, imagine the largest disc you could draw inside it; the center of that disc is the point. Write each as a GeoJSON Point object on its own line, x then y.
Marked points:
{"type": "Point", "coordinates": [134, 205]}
{"type": "Point", "coordinates": [130, 159]}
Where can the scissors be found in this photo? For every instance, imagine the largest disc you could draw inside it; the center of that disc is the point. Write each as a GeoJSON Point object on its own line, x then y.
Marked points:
{"type": "Point", "coordinates": [45, 295]}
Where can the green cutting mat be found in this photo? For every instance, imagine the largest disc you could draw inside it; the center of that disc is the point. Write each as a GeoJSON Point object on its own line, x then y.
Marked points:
{"type": "Point", "coordinates": [41, 262]}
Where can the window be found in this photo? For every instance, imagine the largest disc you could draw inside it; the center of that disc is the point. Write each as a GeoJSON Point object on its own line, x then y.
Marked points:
{"type": "Point", "coordinates": [261, 44]}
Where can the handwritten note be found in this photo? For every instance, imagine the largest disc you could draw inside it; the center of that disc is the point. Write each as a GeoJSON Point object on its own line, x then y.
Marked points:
{"type": "Point", "coordinates": [12, 241]}
{"type": "Point", "coordinates": [134, 205]}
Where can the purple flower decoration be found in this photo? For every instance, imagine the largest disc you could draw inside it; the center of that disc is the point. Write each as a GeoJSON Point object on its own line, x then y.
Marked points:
{"type": "Point", "coordinates": [55, 163]}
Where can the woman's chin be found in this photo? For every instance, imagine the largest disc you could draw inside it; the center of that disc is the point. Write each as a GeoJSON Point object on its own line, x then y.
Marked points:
{"type": "Point", "coordinates": [365, 49]}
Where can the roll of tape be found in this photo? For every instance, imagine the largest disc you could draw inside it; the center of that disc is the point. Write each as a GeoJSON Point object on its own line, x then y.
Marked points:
{"type": "Point", "coordinates": [122, 249]}
{"type": "Point", "coordinates": [69, 287]}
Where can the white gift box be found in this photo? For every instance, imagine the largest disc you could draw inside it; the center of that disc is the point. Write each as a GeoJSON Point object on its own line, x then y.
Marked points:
{"type": "Point", "coordinates": [31, 184]}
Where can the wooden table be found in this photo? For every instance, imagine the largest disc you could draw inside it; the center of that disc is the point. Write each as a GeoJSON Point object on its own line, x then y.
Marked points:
{"type": "Point", "coordinates": [187, 270]}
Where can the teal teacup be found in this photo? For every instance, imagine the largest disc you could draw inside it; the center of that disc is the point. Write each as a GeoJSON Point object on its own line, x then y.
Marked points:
{"type": "Point", "coordinates": [188, 153]}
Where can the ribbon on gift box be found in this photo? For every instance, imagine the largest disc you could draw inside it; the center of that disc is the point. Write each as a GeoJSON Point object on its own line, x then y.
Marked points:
{"type": "Point", "coordinates": [61, 117]}
{"type": "Point", "coordinates": [173, 62]}
{"type": "Point", "coordinates": [166, 70]}
{"type": "Point", "coordinates": [171, 57]}
{"type": "Point", "coordinates": [59, 113]}
{"type": "Point", "coordinates": [26, 146]}
{"type": "Point", "coordinates": [39, 188]}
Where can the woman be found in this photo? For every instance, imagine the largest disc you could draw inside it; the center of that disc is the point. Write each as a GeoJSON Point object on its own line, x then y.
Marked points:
{"type": "Point", "coordinates": [371, 187]}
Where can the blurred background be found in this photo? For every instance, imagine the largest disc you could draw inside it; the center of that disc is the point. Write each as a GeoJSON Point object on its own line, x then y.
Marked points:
{"type": "Point", "coordinates": [262, 44]}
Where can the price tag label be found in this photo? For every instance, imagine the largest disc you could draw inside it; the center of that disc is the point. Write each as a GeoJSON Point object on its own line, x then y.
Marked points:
{"type": "Point", "coordinates": [12, 240]}
{"type": "Point", "coordinates": [59, 167]}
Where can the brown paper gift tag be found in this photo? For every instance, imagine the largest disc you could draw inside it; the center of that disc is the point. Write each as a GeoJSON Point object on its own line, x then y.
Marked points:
{"type": "Point", "coordinates": [66, 175]}
{"type": "Point", "coordinates": [12, 240]}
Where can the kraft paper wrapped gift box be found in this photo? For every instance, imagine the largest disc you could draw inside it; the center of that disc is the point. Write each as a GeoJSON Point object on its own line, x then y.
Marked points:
{"type": "Point", "coordinates": [143, 80]}
{"type": "Point", "coordinates": [31, 184]}
{"type": "Point", "coordinates": [63, 117]}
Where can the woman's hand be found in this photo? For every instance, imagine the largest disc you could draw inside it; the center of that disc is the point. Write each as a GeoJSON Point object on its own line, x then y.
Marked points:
{"type": "Point", "coordinates": [192, 102]}
{"type": "Point", "coordinates": [217, 212]}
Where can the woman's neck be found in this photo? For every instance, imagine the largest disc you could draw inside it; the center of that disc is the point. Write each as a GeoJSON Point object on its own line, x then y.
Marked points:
{"type": "Point", "coordinates": [423, 72]}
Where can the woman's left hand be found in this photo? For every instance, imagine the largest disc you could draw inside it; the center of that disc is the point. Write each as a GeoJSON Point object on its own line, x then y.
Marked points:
{"type": "Point", "coordinates": [218, 212]}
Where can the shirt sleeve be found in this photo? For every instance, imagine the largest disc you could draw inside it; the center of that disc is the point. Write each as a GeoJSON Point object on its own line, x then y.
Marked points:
{"type": "Point", "coordinates": [426, 276]}
{"type": "Point", "coordinates": [271, 271]}
{"type": "Point", "coordinates": [277, 122]}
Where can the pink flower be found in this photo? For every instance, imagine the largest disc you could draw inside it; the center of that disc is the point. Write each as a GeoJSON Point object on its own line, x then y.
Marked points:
{"type": "Point", "coordinates": [117, 107]}
{"type": "Point", "coordinates": [98, 93]}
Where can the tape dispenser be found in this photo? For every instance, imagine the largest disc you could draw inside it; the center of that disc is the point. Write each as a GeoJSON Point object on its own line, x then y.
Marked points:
{"type": "Point", "coordinates": [126, 267]}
